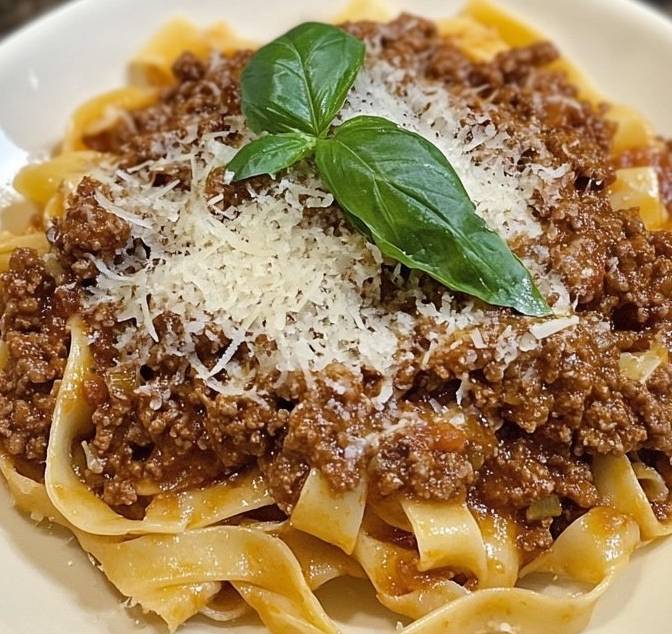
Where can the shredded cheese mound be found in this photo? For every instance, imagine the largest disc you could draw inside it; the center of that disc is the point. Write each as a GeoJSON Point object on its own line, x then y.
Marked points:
{"type": "Point", "coordinates": [282, 271]}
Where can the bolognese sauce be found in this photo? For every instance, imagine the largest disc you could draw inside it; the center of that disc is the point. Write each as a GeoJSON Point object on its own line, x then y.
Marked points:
{"type": "Point", "coordinates": [467, 416]}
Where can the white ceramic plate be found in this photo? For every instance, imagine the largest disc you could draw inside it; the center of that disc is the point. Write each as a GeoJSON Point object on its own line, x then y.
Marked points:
{"type": "Point", "coordinates": [47, 585]}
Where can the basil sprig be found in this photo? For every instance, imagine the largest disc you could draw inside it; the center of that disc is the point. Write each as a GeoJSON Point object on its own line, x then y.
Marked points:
{"type": "Point", "coordinates": [395, 186]}
{"type": "Point", "coordinates": [271, 154]}
{"type": "Point", "coordinates": [406, 193]}
{"type": "Point", "coordinates": [300, 81]}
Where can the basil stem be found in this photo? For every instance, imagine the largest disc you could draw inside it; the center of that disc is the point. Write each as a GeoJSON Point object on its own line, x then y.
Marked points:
{"type": "Point", "coordinates": [413, 204]}
{"type": "Point", "coordinates": [300, 81]}
{"type": "Point", "coordinates": [270, 154]}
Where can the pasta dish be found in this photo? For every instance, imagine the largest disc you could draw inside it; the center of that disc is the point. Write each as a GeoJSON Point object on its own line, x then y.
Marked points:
{"type": "Point", "coordinates": [389, 300]}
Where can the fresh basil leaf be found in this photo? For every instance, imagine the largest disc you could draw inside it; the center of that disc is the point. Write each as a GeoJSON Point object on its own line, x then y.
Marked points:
{"type": "Point", "coordinates": [300, 81]}
{"type": "Point", "coordinates": [270, 154]}
{"type": "Point", "coordinates": [416, 209]}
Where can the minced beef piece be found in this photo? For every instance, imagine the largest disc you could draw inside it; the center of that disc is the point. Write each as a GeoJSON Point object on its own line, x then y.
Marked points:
{"type": "Point", "coordinates": [199, 103]}
{"type": "Point", "coordinates": [325, 420]}
{"type": "Point", "coordinates": [232, 193]}
{"type": "Point", "coordinates": [638, 281]}
{"type": "Point", "coordinates": [153, 436]}
{"type": "Point", "coordinates": [529, 468]}
{"type": "Point", "coordinates": [524, 470]}
{"type": "Point", "coordinates": [285, 474]}
{"type": "Point", "coordinates": [569, 389]}
{"type": "Point", "coordinates": [36, 348]}
{"type": "Point", "coordinates": [87, 229]}
{"type": "Point", "coordinates": [427, 461]}
{"type": "Point", "coordinates": [153, 433]}
{"type": "Point", "coordinates": [238, 428]}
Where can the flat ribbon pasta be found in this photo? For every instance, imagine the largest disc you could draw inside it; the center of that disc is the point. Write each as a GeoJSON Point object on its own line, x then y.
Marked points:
{"type": "Point", "coordinates": [479, 41]}
{"type": "Point", "coordinates": [177, 604]}
{"type": "Point", "coordinates": [591, 549]}
{"type": "Point", "coordinates": [276, 613]}
{"type": "Point", "coordinates": [447, 535]}
{"type": "Point", "coordinates": [174, 604]}
{"type": "Point", "coordinates": [169, 513]}
{"type": "Point", "coordinates": [393, 571]}
{"type": "Point", "coordinates": [226, 605]}
{"type": "Point", "coordinates": [333, 517]}
{"type": "Point", "coordinates": [29, 496]}
{"type": "Point", "coordinates": [390, 511]}
{"type": "Point", "coordinates": [639, 187]}
{"type": "Point", "coordinates": [152, 65]}
{"type": "Point", "coordinates": [49, 183]}
{"type": "Point", "coordinates": [41, 181]}
{"type": "Point", "coordinates": [222, 501]}
{"type": "Point", "coordinates": [101, 111]}
{"type": "Point", "coordinates": [260, 566]}
{"type": "Point", "coordinates": [378, 10]}
{"type": "Point", "coordinates": [617, 483]}
{"type": "Point", "coordinates": [501, 552]}
{"type": "Point", "coordinates": [10, 242]}
{"type": "Point", "coordinates": [320, 562]}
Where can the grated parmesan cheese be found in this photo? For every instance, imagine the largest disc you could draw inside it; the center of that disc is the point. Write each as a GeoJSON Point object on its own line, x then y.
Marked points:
{"type": "Point", "coordinates": [93, 463]}
{"type": "Point", "coordinates": [550, 327]}
{"type": "Point", "coordinates": [283, 272]}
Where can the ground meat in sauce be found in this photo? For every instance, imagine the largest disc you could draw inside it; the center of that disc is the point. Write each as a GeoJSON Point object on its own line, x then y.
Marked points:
{"type": "Point", "coordinates": [36, 348]}
{"type": "Point", "coordinates": [209, 92]}
{"type": "Point", "coordinates": [540, 416]}
{"type": "Point", "coordinates": [87, 230]}
{"type": "Point", "coordinates": [426, 461]}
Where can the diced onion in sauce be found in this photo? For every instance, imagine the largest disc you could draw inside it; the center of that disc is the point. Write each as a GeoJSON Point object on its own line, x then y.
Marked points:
{"type": "Point", "coordinates": [122, 380]}
{"type": "Point", "coordinates": [147, 487]}
{"type": "Point", "coordinates": [640, 366]}
{"type": "Point", "coordinates": [545, 507]}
